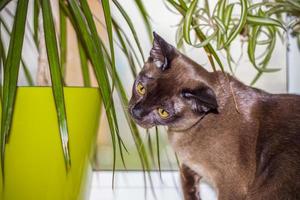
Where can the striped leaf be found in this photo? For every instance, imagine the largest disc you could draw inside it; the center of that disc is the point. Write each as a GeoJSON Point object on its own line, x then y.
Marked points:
{"type": "Point", "coordinates": [240, 25]}
{"type": "Point", "coordinates": [188, 18]}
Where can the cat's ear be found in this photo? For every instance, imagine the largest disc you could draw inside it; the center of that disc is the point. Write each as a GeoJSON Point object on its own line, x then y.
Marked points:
{"type": "Point", "coordinates": [162, 52]}
{"type": "Point", "coordinates": [203, 99]}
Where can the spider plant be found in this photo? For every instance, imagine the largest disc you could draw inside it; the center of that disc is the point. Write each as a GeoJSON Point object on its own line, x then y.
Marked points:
{"type": "Point", "coordinates": [216, 26]}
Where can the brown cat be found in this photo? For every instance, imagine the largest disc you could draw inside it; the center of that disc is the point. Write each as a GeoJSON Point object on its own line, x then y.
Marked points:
{"type": "Point", "coordinates": [245, 142]}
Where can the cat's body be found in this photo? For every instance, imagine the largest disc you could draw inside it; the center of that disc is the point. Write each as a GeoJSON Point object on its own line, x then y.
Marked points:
{"type": "Point", "coordinates": [251, 149]}
{"type": "Point", "coordinates": [243, 141]}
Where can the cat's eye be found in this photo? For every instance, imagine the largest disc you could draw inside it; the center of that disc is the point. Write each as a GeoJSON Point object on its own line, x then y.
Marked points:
{"type": "Point", "coordinates": [140, 89]}
{"type": "Point", "coordinates": [163, 113]}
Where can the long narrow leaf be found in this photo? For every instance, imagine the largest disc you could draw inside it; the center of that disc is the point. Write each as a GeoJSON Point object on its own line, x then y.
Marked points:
{"type": "Point", "coordinates": [27, 73]}
{"type": "Point", "coordinates": [2, 50]}
{"type": "Point", "coordinates": [36, 11]}
{"type": "Point", "coordinates": [257, 20]}
{"type": "Point", "coordinates": [267, 58]}
{"type": "Point", "coordinates": [84, 66]}
{"type": "Point", "coordinates": [145, 16]}
{"type": "Point", "coordinates": [182, 9]}
{"type": "Point", "coordinates": [206, 41]}
{"type": "Point", "coordinates": [92, 26]}
{"type": "Point", "coordinates": [108, 21]}
{"type": "Point", "coordinates": [150, 146]}
{"type": "Point", "coordinates": [11, 71]}
{"type": "Point", "coordinates": [96, 56]}
{"type": "Point", "coordinates": [125, 36]}
{"type": "Point", "coordinates": [28, 76]}
{"type": "Point", "coordinates": [158, 150]}
{"type": "Point", "coordinates": [96, 38]}
{"type": "Point", "coordinates": [125, 50]}
{"type": "Point", "coordinates": [183, 4]}
{"type": "Point", "coordinates": [141, 149]}
{"type": "Point", "coordinates": [188, 18]}
{"type": "Point", "coordinates": [210, 52]}
{"type": "Point", "coordinates": [63, 41]}
{"type": "Point", "coordinates": [130, 24]}
{"type": "Point", "coordinates": [228, 14]}
{"type": "Point", "coordinates": [56, 78]}
{"type": "Point", "coordinates": [240, 25]}
{"type": "Point", "coordinates": [221, 36]}
{"type": "Point", "coordinates": [3, 3]}
{"type": "Point", "coordinates": [1, 70]}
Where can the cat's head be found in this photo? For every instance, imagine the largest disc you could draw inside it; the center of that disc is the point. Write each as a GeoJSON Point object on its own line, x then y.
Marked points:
{"type": "Point", "coordinates": [171, 90]}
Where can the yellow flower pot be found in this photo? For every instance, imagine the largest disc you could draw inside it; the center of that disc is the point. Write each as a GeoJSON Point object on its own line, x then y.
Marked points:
{"type": "Point", "coordinates": [34, 162]}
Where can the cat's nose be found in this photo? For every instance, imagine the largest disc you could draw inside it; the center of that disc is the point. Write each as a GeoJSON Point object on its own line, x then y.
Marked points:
{"type": "Point", "coordinates": [137, 112]}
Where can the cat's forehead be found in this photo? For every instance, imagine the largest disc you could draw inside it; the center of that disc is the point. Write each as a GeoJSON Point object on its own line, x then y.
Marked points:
{"type": "Point", "coordinates": [150, 70]}
{"type": "Point", "coordinates": [179, 68]}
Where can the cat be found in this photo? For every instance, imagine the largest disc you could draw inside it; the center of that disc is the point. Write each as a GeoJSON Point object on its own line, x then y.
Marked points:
{"type": "Point", "coordinates": [243, 141]}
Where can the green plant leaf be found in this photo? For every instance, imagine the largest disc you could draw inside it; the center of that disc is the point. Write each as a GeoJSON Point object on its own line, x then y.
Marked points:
{"type": "Point", "coordinates": [145, 16]}
{"type": "Point", "coordinates": [28, 76]}
{"type": "Point", "coordinates": [92, 44]}
{"type": "Point", "coordinates": [98, 42]}
{"type": "Point", "coordinates": [131, 26]}
{"type": "Point", "coordinates": [269, 50]}
{"type": "Point", "coordinates": [178, 7]}
{"type": "Point", "coordinates": [2, 51]}
{"type": "Point", "coordinates": [294, 3]}
{"type": "Point", "coordinates": [188, 18]}
{"type": "Point", "coordinates": [36, 11]}
{"type": "Point", "coordinates": [252, 44]}
{"type": "Point", "coordinates": [206, 7]}
{"type": "Point", "coordinates": [210, 52]}
{"type": "Point", "coordinates": [268, 56]}
{"type": "Point", "coordinates": [140, 147]}
{"type": "Point", "coordinates": [206, 41]}
{"type": "Point", "coordinates": [128, 42]}
{"type": "Point", "coordinates": [228, 14]}
{"type": "Point", "coordinates": [56, 78]}
{"type": "Point", "coordinates": [158, 150]}
{"type": "Point", "coordinates": [63, 41]}
{"type": "Point", "coordinates": [265, 3]}
{"type": "Point", "coordinates": [240, 25]}
{"type": "Point", "coordinates": [183, 4]}
{"type": "Point", "coordinates": [150, 146]}
{"type": "Point", "coordinates": [220, 25]}
{"type": "Point", "coordinates": [3, 3]}
{"type": "Point", "coordinates": [11, 71]}
{"type": "Point", "coordinates": [27, 73]}
{"type": "Point", "coordinates": [229, 59]}
{"type": "Point", "coordinates": [257, 20]}
{"type": "Point", "coordinates": [221, 35]}
{"type": "Point", "coordinates": [84, 66]}
{"type": "Point", "coordinates": [221, 9]}
{"type": "Point", "coordinates": [2, 61]}
{"type": "Point", "coordinates": [108, 21]}
{"type": "Point", "coordinates": [124, 49]}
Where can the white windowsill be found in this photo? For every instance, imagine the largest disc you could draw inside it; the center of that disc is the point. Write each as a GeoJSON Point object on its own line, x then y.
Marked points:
{"type": "Point", "coordinates": [130, 185]}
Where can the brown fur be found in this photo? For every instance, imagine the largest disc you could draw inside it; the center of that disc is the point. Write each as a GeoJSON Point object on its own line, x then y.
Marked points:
{"type": "Point", "coordinates": [246, 147]}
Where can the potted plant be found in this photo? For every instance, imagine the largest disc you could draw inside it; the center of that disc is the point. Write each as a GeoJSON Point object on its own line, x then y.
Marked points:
{"type": "Point", "coordinates": [48, 133]}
